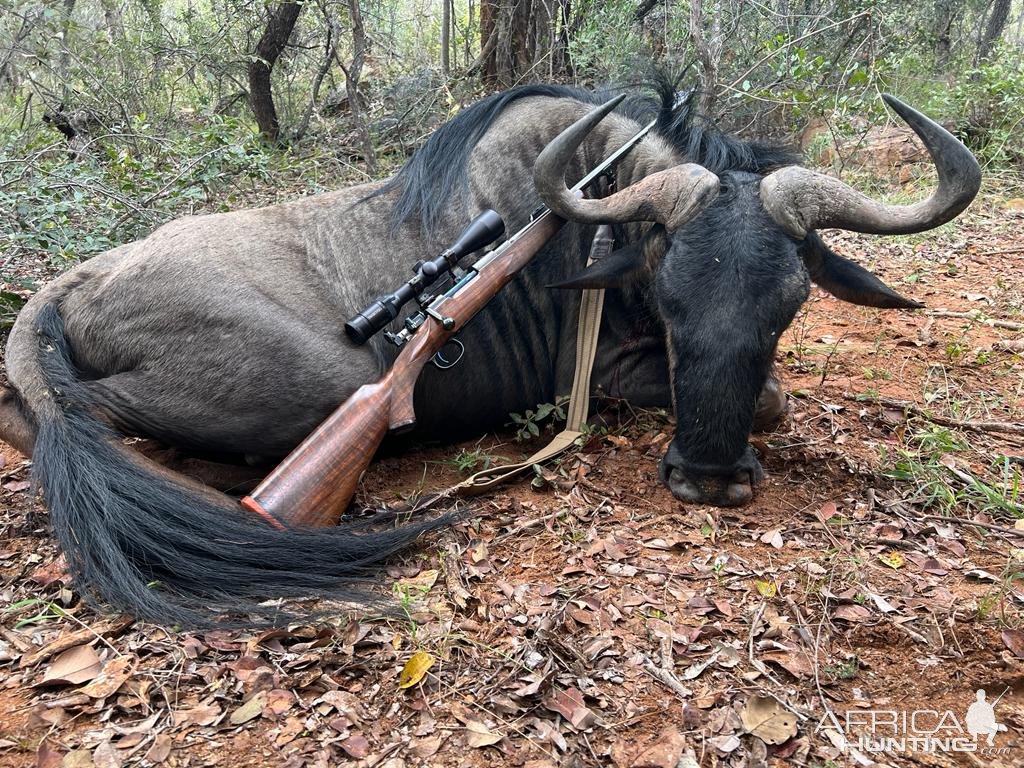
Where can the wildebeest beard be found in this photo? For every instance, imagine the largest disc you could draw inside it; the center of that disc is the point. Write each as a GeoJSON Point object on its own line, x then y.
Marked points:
{"type": "Point", "coordinates": [223, 333]}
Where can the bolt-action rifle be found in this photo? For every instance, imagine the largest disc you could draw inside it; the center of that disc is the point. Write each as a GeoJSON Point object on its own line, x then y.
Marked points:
{"type": "Point", "coordinates": [316, 481]}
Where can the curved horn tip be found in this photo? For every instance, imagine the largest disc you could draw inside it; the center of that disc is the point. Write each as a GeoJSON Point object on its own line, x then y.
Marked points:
{"type": "Point", "coordinates": [911, 116]}
{"type": "Point", "coordinates": [599, 113]}
{"type": "Point", "coordinates": [615, 100]}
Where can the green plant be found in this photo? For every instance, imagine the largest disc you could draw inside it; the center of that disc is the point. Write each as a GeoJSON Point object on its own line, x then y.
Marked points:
{"type": "Point", "coordinates": [473, 460]}
{"type": "Point", "coordinates": [529, 424]}
{"type": "Point", "coordinates": [847, 670]}
{"type": "Point", "coordinates": [47, 611]}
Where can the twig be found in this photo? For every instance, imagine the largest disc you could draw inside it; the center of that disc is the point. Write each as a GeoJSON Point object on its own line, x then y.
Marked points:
{"type": "Point", "coordinates": [978, 317]}
{"type": "Point", "coordinates": [789, 44]}
{"type": "Point", "coordinates": [1003, 252]}
{"type": "Point", "coordinates": [106, 630]}
{"type": "Point", "coordinates": [801, 630]}
{"type": "Point", "coordinates": [986, 526]}
{"type": "Point", "coordinates": [667, 679]}
{"type": "Point", "coordinates": [1008, 427]}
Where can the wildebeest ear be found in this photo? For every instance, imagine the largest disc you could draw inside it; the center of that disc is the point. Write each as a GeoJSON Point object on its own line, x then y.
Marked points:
{"type": "Point", "coordinates": [614, 270]}
{"type": "Point", "coordinates": [848, 281]}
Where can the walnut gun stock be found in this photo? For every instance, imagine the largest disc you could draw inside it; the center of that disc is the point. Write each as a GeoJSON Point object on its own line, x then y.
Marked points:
{"type": "Point", "coordinates": [315, 482]}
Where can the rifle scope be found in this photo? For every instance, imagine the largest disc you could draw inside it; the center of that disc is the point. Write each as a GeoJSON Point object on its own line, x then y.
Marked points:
{"type": "Point", "coordinates": [481, 231]}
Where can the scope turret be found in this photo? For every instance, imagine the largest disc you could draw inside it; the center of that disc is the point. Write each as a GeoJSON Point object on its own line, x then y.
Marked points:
{"type": "Point", "coordinates": [481, 231]}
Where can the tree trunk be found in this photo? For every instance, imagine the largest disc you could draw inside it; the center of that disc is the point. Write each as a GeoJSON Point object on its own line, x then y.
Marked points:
{"type": "Point", "coordinates": [993, 29]}
{"type": "Point", "coordinates": [709, 53]}
{"type": "Point", "coordinates": [519, 42]}
{"type": "Point", "coordinates": [446, 36]}
{"type": "Point", "coordinates": [945, 15]}
{"type": "Point", "coordinates": [352, 74]}
{"type": "Point", "coordinates": [268, 49]}
{"type": "Point", "coordinates": [488, 43]}
{"type": "Point", "coordinates": [65, 43]}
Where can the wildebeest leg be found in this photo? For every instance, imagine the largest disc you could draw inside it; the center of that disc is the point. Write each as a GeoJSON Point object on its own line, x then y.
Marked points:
{"type": "Point", "coordinates": [263, 415]}
{"type": "Point", "coordinates": [771, 405]}
{"type": "Point", "coordinates": [16, 428]}
{"type": "Point", "coordinates": [235, 479]}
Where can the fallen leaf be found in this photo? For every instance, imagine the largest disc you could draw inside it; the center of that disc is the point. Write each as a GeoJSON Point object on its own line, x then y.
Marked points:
{"type": "Point", "coordinates": [201, 715]}
{"type": "Point", "coordinates": [893, 559]}
{"type": "Point", "coordinates": [881, 603]}
{"type": "Point", "coordinates": [16, 486]}
{"type": "Point", "coordinates": [1014, 640]}
{"type": "Point", "coordinates": [569, 704]}
{"type": "Point", "coordinates": [251, 709]}
{"type": "Point", "coordinates": [77, 758]}
{"type": "Point", "coordinates": [765, 588]}
{"type": "Point", "coordinates": [478, 735]}
{"type": "Point", "coordinates": [773, 538]}
{"type": "Point", "coordinates": [279, 701]}
{"type": "Point", "coordinates": [47, 756]}
{"type": "Point", "coordinates": [356, 746]}
{"type": "Point", "coordinates": [415, 669]}
{"type": "Point", "coordinates": [419, 584]}
{"type": "Point", "coordinates": [50, 573]}
{"type": "Point", "coordinates": [106, 756]}
{"type": "Point", "coordinates": [73, 667]}
{"type": "Point", "coordinates": [696, 670]}
{"type": "Point", "coordinates": [160, 750]}
{"type": "Point", "coordinates": [852, 612]}
{"type": "Point", "coordinates": [113, 676]}
{"type": "Point", "coordinates": [764, 717]}
{"type": "Point", "coordinates": [727, 744]}
{"type": "Point", "coordinates": [794, 662]}
{"type": "Point", "coordinates": [427, 746]}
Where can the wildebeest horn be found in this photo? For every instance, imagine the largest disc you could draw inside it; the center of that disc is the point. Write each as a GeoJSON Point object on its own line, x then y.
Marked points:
{"type": "Point", "coordinates": [801, 200]}
{"type": "Point", "coordinates": [670, 197]}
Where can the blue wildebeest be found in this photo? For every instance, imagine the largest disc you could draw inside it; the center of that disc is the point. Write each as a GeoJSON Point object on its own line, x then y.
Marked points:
{"type": "Point", "coordinates": [221, 334]}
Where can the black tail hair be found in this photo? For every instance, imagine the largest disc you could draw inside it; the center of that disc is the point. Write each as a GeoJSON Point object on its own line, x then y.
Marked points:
{"type": "Point", "coordinates": [164, 552]}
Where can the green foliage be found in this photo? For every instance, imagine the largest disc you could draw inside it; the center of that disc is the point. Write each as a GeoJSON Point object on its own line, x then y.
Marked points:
{"type": "Point", "coordinates": [62, 209]}
{"type": "Point", "coordinates": [530, 423]}
{"type": "Point", "coordinates": [988, 107]}
{"type": "Point", "coordinates": [934, 481]}
{"type": "Point", "coordinates": [467, 461]}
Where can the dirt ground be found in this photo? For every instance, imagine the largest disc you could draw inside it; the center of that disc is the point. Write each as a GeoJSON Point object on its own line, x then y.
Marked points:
{"type": "Point", "coordinates": [588, 618]}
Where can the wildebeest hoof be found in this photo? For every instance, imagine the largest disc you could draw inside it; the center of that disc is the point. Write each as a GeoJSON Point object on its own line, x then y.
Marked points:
{"type": "Point", "coordinates": [772, 406]}
{"type": "Point", "coordinates": [706, 484]}
{"type": "Point", "coordinates": [732, 491]}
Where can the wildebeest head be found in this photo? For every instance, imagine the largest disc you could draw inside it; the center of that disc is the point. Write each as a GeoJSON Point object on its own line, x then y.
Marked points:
{"type": "Point", "coordinates": [730, 257]}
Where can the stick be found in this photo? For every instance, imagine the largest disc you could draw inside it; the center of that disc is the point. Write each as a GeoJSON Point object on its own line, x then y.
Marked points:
{"type": "Point", "coordinates": [1012, 428]}
{"type": "Point", "coordinates": [106, 630]}
{"type": "Point", "coordinates": [667, 679]}
{"type": "Point", "coordinates": [977, 316]}
{"type": "Point", "coordinates": [986, 526]}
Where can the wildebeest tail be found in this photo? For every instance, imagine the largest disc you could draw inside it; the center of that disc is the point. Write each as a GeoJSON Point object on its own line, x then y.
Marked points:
{"type": "Point", "coordinates": [147, 542]}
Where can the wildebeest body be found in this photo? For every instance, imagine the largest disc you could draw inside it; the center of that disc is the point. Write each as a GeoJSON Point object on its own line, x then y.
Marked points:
{"type": "Point", "coordinates": [222, 334]}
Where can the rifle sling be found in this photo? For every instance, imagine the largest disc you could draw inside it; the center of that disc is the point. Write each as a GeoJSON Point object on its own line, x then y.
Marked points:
{"type": "Point", "coordinates": [591, 306]}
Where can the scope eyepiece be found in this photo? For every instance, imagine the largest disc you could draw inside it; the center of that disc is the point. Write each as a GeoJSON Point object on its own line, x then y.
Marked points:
{"type": "Point", "coordinates": [371, 320]}
{"type": "Point", "coordinates": [481, 231]}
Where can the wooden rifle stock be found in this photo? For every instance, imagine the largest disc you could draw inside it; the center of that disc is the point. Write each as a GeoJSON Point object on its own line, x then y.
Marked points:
{"type": "Point", "coordinates": [315, 482]}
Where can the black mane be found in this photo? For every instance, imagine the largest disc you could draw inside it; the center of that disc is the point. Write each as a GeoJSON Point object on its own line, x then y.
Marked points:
{"type": "Point", "coordinates": [437, 170]}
